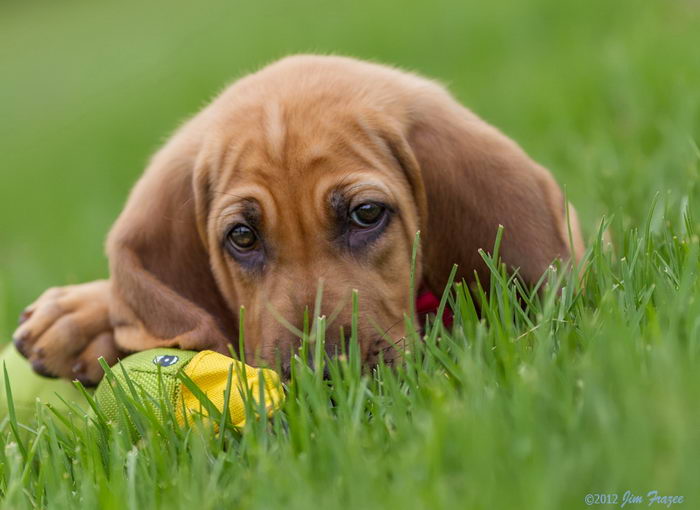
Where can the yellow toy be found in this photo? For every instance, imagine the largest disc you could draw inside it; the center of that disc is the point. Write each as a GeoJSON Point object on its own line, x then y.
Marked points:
{"type": "Point", "coordinates": [209, 370]}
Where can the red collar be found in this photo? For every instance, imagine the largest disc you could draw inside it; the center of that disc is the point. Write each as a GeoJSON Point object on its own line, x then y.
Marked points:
{"type": "Point", "coordinates": [428, 303]}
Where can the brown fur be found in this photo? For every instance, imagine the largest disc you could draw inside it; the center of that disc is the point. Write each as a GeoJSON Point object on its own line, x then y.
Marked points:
{"type": "Point", "coordinates": [287, 138]}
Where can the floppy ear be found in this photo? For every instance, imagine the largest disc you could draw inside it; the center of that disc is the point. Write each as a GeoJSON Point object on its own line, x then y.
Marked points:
{"type": "Point", "coordinates": [164, 292]}
{"type": "Point", "coordinates": [473, 179]}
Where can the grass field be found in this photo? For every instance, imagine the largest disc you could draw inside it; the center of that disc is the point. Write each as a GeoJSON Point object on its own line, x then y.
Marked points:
{"type": "Point", "coordinates": [523, 407]}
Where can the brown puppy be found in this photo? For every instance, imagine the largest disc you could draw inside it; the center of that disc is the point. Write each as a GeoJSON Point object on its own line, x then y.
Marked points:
{"type": "Point", "coordinates": [314, 168]}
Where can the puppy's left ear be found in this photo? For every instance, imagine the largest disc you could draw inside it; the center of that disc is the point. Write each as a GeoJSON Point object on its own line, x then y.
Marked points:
{"type": "Point", "coordinates": [468, 178]}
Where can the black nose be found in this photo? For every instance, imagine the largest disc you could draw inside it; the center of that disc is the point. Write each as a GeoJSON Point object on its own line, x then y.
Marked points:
{"type": "Point", "coordinates": [287, 349]}
{"type": "Point", "coordinates": [286, 369]}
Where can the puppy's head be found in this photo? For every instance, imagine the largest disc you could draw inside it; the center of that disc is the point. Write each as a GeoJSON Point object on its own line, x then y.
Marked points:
{"type": "Point", "coordinates": [304, 197]}
{"type": "Point", "coordinates": [317, 170]}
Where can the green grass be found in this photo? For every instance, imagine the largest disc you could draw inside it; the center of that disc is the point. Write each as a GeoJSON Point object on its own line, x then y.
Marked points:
{"type": "Point", "coordinates": [530, 406]}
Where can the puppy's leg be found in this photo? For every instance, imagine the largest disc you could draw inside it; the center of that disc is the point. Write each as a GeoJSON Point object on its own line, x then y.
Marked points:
{"type": "Point", "coordinates": [64, 332]}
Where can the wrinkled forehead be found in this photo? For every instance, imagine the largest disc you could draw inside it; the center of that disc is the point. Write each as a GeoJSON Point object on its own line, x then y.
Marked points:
{"type": "Point", "coordinates": [290, 163]}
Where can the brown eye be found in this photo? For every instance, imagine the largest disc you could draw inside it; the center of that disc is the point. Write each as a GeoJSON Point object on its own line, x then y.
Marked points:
{"type": "Point", "coordinates": [367, 214]}
{"type": "Point", "coordinates": [242, 237]}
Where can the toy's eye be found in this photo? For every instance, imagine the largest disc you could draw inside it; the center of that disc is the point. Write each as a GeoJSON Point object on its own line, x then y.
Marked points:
{"type": "Point", "coordinates": [368, 214]}
{"type": "Point", "coordinates": [242, 237]}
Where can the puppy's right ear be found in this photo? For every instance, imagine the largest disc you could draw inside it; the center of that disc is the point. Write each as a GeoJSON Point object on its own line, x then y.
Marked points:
{"type": "Point", "coordinates": [164, 292]}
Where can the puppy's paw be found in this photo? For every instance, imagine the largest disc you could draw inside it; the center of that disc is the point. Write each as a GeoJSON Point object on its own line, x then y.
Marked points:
{"type": "Point", "coordinates": [66, 330]}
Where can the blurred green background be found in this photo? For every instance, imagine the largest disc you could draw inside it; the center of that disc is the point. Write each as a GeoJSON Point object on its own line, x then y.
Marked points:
{"type": "Point", "coordinates": [605, 93]}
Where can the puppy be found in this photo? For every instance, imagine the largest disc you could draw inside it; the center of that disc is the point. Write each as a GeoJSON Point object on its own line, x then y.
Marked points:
{"type": "Point", "coordinates": [315, 168]}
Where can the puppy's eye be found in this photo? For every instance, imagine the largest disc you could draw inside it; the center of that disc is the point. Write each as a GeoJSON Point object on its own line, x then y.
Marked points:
{"type": "Point", "coordinates": [367, 215]}
{"type": "Point", "coordinates": [242, 237]}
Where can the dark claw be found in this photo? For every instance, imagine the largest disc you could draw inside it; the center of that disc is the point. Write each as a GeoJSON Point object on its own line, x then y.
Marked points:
{"type": "Point", "coordinates": [79, 374]}
{"type": "Point", "coordinates": [78, 367]}
{"type": "Point", "coordinates": [85, 380]}
{"type": "Point", "coordinates": [20, 345]}
{"type": "Point", "coordinates": [40, 369]}
{"type": "Point", "coordinates": [24, 316]}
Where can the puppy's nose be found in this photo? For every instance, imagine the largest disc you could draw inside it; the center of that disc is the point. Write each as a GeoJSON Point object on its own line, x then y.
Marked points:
{"type": "Point", "coordinates": [333, 345]}
{"type": "Point", "coordinates": [286, 367]}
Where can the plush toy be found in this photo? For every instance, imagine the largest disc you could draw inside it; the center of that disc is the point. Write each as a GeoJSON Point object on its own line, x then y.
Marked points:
{"type": "Point", "coordinates": [208, 370]}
